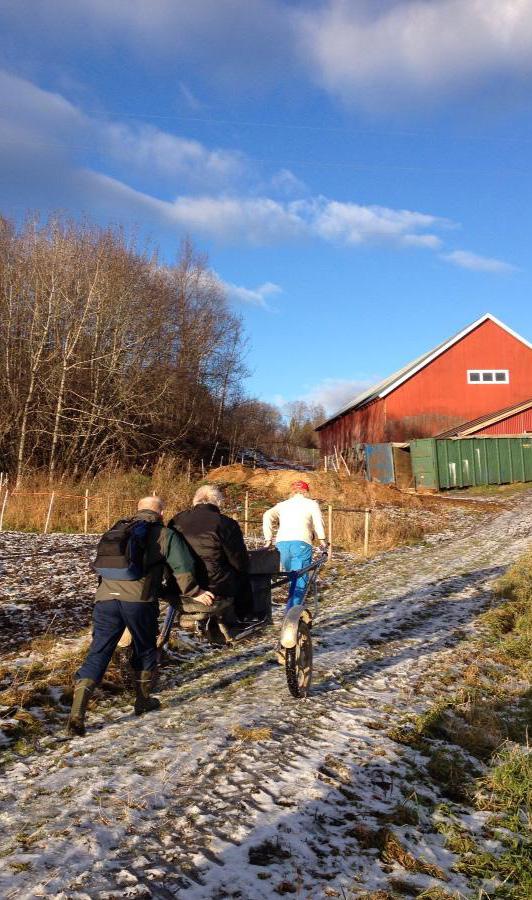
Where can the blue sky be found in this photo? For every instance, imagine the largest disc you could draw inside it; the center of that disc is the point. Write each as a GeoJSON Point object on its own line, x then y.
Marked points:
{"type": "Point", "coordinates": [358, 172]}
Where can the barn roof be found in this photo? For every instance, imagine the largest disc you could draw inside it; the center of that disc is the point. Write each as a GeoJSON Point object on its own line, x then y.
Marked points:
{"type": "Point", "coordinates": [393, 381]}
{"type": "Point", "coordinates": [484, 421]}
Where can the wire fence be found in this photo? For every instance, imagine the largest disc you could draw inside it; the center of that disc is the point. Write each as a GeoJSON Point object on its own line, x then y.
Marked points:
{"type": "Point", "coordinates": [362, 529]}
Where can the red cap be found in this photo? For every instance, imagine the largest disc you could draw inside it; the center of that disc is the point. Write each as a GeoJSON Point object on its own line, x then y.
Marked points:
{"type": "Point", "coordinates": [300, 486]}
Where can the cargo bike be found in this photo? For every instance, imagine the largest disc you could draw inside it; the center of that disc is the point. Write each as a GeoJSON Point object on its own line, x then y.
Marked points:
{"type": "Point", "coordinates": [218, 625]}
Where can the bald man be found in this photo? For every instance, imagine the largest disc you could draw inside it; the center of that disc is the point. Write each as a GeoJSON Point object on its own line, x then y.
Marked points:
{"type": "Point", "coordinates": [127, 597]}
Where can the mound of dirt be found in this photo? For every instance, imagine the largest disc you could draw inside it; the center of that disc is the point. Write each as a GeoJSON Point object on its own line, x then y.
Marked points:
{"type": "Point", "coordinates": [330, 487]}
{"type": "Point", "coordinates": [327, 486]}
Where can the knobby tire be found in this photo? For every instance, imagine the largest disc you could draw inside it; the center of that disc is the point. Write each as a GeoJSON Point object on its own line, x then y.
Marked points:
{"type": "Point", "coordinates": [298, 663]}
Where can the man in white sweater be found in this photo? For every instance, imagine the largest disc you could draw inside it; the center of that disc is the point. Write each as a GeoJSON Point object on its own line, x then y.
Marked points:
{"type": "Point", "coordinates": [299, 522]}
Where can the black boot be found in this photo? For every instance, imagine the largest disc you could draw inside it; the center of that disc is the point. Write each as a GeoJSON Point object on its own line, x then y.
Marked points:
{"type": "Point", "coordinates": [144, 703]}
{"type": "Point", "coordinates": [82, 693]}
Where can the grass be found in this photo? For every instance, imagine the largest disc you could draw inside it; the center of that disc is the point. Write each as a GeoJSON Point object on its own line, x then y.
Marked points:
{"type": "Point", "coordinates": [251, 735]}
{"type": "Point", "coordinates": [44, 687]}
{"type": "Point", "coordinates": [391, 850]}
{"type": "Point", "coordinates": [112, 494]}
{"type": "Point", "coordinates": [484, 726]}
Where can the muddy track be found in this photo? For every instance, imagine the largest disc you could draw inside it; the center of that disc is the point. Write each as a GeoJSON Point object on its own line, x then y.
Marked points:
{"type": "Point", "coordinates": [235, 789]}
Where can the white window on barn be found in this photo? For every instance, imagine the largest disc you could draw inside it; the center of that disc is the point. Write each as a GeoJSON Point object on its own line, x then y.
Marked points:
{"type": "Point", "coordinates": [488, 376]}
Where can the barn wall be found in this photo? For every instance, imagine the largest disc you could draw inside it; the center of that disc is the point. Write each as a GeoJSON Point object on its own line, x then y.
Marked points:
{"type": "Point", "coordinates": [438, 397]}
{"type": "Point", "coordinates": [365, 425]}
{"type": "Point", "coordinates": [521, 423]}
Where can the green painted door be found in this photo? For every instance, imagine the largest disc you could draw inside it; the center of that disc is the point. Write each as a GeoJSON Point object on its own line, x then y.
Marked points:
{"type": "Point", "coordinates": [424, 464]}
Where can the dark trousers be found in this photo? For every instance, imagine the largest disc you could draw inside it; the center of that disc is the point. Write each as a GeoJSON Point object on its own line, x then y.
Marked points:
{"type": "Point", "coordinates": [109, 619]}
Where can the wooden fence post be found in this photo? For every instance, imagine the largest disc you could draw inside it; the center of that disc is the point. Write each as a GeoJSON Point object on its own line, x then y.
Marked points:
{"type": "Point", "coordinates": [4, 504]}
{"type": "Point", "coordinates": [108, 512]}
{"type": "Point", "coordinates": [202, 469]}
{"type": "Point", "coordinates": [49, 513]}
{"type": "Point", "coordinates": [330, 531]}
{"type": "Point", "coordinates": [366, 532]}
{"type": "Point", "coordinates": [246, 514]}
{"type": "Point", "coordinates": [213, 452]}
{"type": "Point", "coordinates": [188, 471]}
{"type": "Point", "coordinates": [325, 463]}
{"type": "Point", "coordinates": [86, 512]}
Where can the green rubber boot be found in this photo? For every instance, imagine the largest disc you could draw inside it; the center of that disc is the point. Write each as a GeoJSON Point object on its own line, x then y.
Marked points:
{"type": "Point", "coordinates": [82, 693]}
{"type": "Point", "coordinates": [144, 703]}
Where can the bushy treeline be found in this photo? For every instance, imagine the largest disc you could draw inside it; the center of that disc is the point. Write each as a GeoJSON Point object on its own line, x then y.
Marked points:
{"type": "Point", "coordinates": [109, 357]}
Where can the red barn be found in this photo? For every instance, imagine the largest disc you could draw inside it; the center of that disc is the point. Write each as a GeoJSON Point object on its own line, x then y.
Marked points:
{"type": "Point", "coordinates": [484, 368]}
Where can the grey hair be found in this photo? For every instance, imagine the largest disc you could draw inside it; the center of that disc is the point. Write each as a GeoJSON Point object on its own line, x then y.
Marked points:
{"type": "Point", "coordinates": [208, 493]}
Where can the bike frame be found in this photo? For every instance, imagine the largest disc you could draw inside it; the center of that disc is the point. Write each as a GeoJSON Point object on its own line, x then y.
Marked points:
{"type": "Point", "coordinates": [289, 628]}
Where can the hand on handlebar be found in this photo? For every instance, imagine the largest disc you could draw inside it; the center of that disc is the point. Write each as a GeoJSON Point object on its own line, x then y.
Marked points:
{"type": "Point", "coordinates": [324, 546]}
{"type": "Point", "coordinates": [205, 597]}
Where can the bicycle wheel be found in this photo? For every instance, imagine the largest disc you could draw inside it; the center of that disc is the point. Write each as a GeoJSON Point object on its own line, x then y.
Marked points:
{"type": "Point", "coordinates": [298, 662]}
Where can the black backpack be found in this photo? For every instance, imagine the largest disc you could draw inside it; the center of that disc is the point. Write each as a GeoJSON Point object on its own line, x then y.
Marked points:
{"type": "Point", "coordinates": [121, 552]}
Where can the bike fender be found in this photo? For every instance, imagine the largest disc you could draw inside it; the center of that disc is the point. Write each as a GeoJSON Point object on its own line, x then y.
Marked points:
{"type": "Point", "coordinates": [290, 625]}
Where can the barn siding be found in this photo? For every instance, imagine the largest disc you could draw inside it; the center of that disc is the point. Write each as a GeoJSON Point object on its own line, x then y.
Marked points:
{"type": "Point", "coordinates": [365, 425]}
{"type": "Point", "coordinates": [521, 423]}
{"type": "Point", "coordinates": [438, 397]}
{"type": "Point", "coordinates": [441, 390]}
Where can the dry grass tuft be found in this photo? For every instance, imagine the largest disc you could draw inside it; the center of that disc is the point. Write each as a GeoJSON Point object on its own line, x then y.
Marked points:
{"type": "Point", "coordinates": [250, 735]}
{"type": "Point", "coordinates": [393, 851]}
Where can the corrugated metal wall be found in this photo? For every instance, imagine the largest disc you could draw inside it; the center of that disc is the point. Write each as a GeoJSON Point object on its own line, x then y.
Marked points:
{"type": "Point", "coordinates": [465, 462]}
{"type": "Point", "coordinates": [518, 424]}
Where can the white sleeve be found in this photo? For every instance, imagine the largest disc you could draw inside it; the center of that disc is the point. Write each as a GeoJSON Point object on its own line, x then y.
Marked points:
{"type": "Point", "coordinates": [270, 517]}
{"type": "Point", "coordinates": [317, 521]}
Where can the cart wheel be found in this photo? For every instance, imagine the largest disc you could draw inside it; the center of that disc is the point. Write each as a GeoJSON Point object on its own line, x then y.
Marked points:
{"type": "Point", "coordinates": [298, 663]}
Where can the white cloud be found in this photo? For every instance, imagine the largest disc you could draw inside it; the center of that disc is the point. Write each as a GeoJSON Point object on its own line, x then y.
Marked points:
{"type": "Point", "coordinates": [155, 151]}
{"type": "Point", "coordinates": [235, 43]}
{"type": "Point", "coordinates": [467, 260]}
{"type": "Point", "coordinates": [287, 184]}
{"type": "Point", "coordinates": [254, 220]}
{"type": "Point", "coordinates": [350, 223]}
{"type": "Point", "coordinates": [45, 140]}
{"type": "Point", "coordinates": [258, 296]}
{"type": "Point", "coordinates": [189, 97]}
{"type": "Point", "coordinates": [428, 241]}
{"type": "Point", "coordinates": [372, 53]}
{"type": "Point", "coordinates": [334, 393]}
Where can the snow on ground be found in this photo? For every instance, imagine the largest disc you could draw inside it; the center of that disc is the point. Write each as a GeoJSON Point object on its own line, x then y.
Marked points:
{"type": "Point", "coordinates": [45, 585]}
{"type": "Point", "coordinates": [191, 803]}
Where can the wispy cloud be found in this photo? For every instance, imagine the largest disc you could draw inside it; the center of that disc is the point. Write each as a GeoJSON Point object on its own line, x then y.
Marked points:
{"type": "Point", "coordinates": [370, 53]}
{"type": "Point", "coordinates": [207, 191]}
{"type": "Point", "coordinates": [176, 158]}
{"type": "Point", "coordinates": [234, 44]}
{"type": "Point", "coordinates": [334, 393]}
{"type": "Point", "coordinates": [351, 223]}
{"type": "Point", "coordinates": [467, 260]}
{"type": "Point", "coordinates": [189, 97]}
{"type": "Point", "coordinates": [258, 296]}
{"type": "Point", "coordinates": [374, 53]}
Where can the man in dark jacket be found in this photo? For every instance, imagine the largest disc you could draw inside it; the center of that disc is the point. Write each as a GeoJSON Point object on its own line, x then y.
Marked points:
{"type": "Point", "coordinates": [133, 604]}
{"type": "Point", "coordinates": [218, 546]}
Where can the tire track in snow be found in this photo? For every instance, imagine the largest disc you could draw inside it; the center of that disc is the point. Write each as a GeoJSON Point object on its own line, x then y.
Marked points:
{"type": "Point", "coordinates": [173, 805]}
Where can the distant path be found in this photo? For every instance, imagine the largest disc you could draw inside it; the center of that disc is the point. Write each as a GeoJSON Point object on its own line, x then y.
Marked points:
{"type": "Point", "coordinates": [176, 805]}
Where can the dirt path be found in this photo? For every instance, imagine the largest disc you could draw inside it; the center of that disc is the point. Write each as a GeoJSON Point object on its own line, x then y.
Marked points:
{"type": "Point", "coordinates": [236, 790]}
